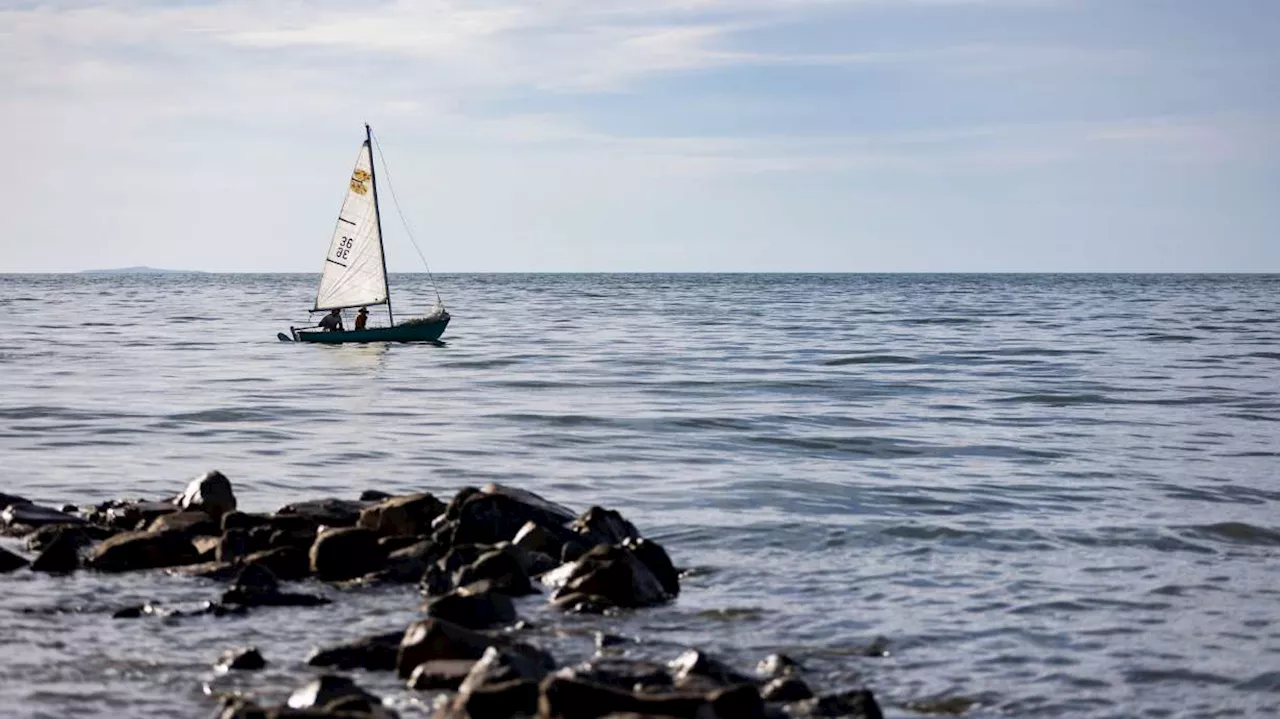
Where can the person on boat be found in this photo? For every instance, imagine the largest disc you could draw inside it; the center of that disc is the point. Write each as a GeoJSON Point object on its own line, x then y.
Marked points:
{"type": "Point", "coordinates": [332, 322]}
{"type": "Point", "coordinates": [362, 318]}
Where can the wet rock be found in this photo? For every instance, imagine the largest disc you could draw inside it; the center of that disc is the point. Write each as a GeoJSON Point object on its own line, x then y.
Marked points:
{"type": "Point", "coordinates": [786, 689]}
{"type": "Point", "coordinates": [220, 571]}
{"type": "Point", "coordinates": [739, 702]}
{"type": "Point", "coordinates": [287, 563]}
{"type": "Point", "coordinates": [613, 575]}
{"type": "Point", "coordinates": [328, 512]}
{"type": "Point", "coordinates": [432, 639]}
{"type": "Point", "coordinates": [533, 538]}
{"type": "Point", "coordinates": [855, 704]}
{"type": "Point", "coordinates": [9, 499]}
{"type": "Point", "coordinates": [123, 515]}
{"type": "Point", "coordinates": [440, 674]}
{"type": "Point", "coordinates": [504, 570]}
{"type": "Point", "coordinates": [497, 666]}
{"type": "Point", "coordinates": [192, 523]}
{"type": "Point", "coordinates": [408, 515]}
{"type": "Point", "coordinates": [656, 559]}
{"type": "Point", "coordinates": [373, 495]}
{"type": "Point", "coordinates": [62, 555]}
{"type": "Point", "coordinates": [496, 513]}
{"type": "Point", "coordinates": [693, 663]}
{"type": "Point", "coordinates": [346, 553]}
{"type": "Point", "coordinates": [241, 659]}
{"type": "Point", "coordinates": [777, 665]}
{"type": "Point", "coordinates": [572, 551]}
{"type": "Point", "coordinates": [210, 493]}
{"type": "Point", "coordinates": [473, 611]}
{"type": "Point", "coordinates": [518, 698]}
{"type": "Point", "coordinates": [629, 675]}
{"type": "Point", "coordinates": [376, 653]}
{"type": "Point", "coordinates": [232, 545]}
{"type": "Point", "coordinates": [244, 521]}
{"type": "Point", "coordinates": [326, 689]}
{"type": "Point", "coordinates": [301, 538]}
{"type": "Point", "coordinates": [409, 564]}
{"type": "Point", "coordinates": [82, 534]}
{"type": "Point", "coordinates": [605, 640]}
{"type": "Point", "coordinates": [366, 707]}
{"type": "Point", "coordinates": [257, 586]}
{"type": "Point", "coordinates": [10, 561]}
{"type": "Point", "coordinates": [565, 698]}
{"type": "Point", "coordinates": [34, 515]}
{"type": "Point", "coordinates": [206, 547]}
{"type": "Point", "coordinates": [396, 543]}
{"type": "Point", "coordinates": [603, 526]}
{"type": "Point", "coordinates": [131, 551]}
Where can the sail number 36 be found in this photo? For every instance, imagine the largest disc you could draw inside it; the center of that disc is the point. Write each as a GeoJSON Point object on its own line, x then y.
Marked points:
{"type": "Point", "coordinates": [344, 248]}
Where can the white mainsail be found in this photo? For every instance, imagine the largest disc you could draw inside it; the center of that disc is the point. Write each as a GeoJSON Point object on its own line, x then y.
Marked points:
{"type": "Point", "coordinates": [354, 272]}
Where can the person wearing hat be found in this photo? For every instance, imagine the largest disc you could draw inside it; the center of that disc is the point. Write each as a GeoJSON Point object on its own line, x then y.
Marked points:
{"type": "Point", "coordinates": [362, 317]}
{"type": "Point", "coordinates": [332, 322]}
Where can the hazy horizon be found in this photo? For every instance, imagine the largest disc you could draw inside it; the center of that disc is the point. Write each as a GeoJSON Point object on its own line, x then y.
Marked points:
{"type": "Point", "coordinates": [659, 136]}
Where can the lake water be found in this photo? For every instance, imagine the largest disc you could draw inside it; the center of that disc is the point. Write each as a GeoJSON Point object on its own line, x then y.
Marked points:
{"type": "Point", "coordinates": [1048, 495]}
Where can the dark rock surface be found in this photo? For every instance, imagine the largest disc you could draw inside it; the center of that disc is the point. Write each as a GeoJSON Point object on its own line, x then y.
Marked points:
{"type": "Point", "coordinates": [432, 639]}
{"type": "Point", "coordinates": [626, 674]}
{"type": "Point", "coordinates": [408, 515]}
{"type": "Point", "coordinates": [609, 575]}
{"type": "Point", "coordinates": [855, 704]}
{"type": "Point", "coordinates": [440, 674]}
{"type": "Point", "coordinates": [328, 512]}
{"type": "Point", "coordinates": [326, 689]}
{"type": "Point", "coordinates": [287, 563]}
{"type": "Point", "coordinates": [502, 568]}
{"type": "Point", "coordinates": [189, 522]}
{"type": "Point", "coordinates": [693, 662]}
{"type": "Point", "coordinates": [777, 665]}
{"type": "Point", "coordinates": [25, 514]}
{"type": "Point", "coordinates": [473, 611]}
{"type": "Point", "coordinates": [10, 561]}
{"type": "Point", "coordinates": [132, 551]}
{"type": "Point", "coordinates": [786, 689]}
{"type": "Point", "coordinates": [83, 534]}
{"type": "Point", "coordinates": [376, 652]}
{"type": "Point", "coordinates": [346, 553]}
{"type": "Point", "coordinates": [241, 659]}
{"type": "Point", "coordinates": [62, 555]}
{"type": "Point", "coordinates": [603, 526]}
{"type": "Point", "coordinates": [210, 493]}
{"type": "Point", "coordinates": [9, 499]}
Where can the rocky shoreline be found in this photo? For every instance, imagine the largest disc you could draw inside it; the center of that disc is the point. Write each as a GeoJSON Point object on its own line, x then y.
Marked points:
{"type": "Point", "coordinates": [470, 557]}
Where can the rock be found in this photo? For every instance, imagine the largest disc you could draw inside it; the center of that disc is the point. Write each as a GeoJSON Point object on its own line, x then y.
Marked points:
{"type": "Point", "coordinates": [62, 555]}
{"type": "Point", "coordinates": [243, 658]}
{"type": "Point", "coordinates": [786, 689]}
{"type": "Point", "coordinates": [9, 499]}
{"type": "Point", "coordinates": [502, 568]}
{"type": "Point", "coordinates": [603, 526]}
{"type": "Point", "coordinates": [614, 575]}
{"type": "Point", "coordinates": [605, 640]}
{"type": "Point", "coordinates": [287, 563]}
{"type": "Point", "coordinates": [855, 704]}
{"type": "Point", "coordinates": [220, 571]}
{"type": "Point", "coordinates": [572, 551]}
{"type": "Point", "coordinates": [373, 495]}
{"type": "Point", "coordinates": [364, 707]}
{"type": "Point", "coordinates": [10, 561]}
{"type": "Point", "coordinates": [376, 653]}
{"type": "Point", "coordinates": [496, 513]}
{"type": "Point", "coordinates": [83, 535]}
{"type": "Point", "coordinates": [243, 520]}
{"type": "Point", "coordinates": [473, 611]}
{"type": "Point", "coordinates": [436, 639]}
{"type": "Point", "coordinates": [695, 663]}
{"type": "Point", "coordinates": [324, 690]}
{"type": "Point", "coordinates": [565, 698]}
{"type": "Point", "coordinates": [210, 492]}
{"type": "Point", "coordinates": [497, 666]}
{"type": "Point", "coordinates": [232, 545]}
{"type": "Point", "coordinates": [237, 707]}
{"type": "Point", "coordinates": [518, 698]}
{"type": "Point", "coordinates": [131, 551]}
{"type": "Point", "coordinates": [629, 675]}
{"type": "Point", "coordinates": [301, 538]}
{"type": "Point", "coordinates": [440, 674]}
{"type": "Point", "coordinates": [130, 516]}
{"type": "Point", "coordinates": [409, 564]}
{"type": "Point", "coordinates": [777, 665]}
{"type": "Point", "coordinates": [257, 586]}
{"type": "Point", "coordinates": [739, 702]}
{"type": "Point", "coordinates": [206, 547]}
{"type": "Point", "coordinates": [346, 553]}
{"type": "Point", "coordinates": [655, 558]}
{"type": "Point", "coordinates": [408, 515]}
{"type": "Point", "coordinates": [396, 543]}
{"type": "Point", "coordinates": [533, 538]}
{"type": "Point", "coordinates": [34, 516]}
{"type": "Point", "coordinates": [328, 512]}
{"type": "Point", "coordinates": [189, 522]}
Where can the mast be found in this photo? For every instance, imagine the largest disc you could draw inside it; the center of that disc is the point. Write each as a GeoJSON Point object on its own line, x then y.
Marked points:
{"type": "Point", "coordinates": [377, 215]}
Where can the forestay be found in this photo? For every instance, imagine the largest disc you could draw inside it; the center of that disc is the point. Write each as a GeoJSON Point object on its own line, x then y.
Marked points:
{"type": "Point", "coordinates": [354, 273]}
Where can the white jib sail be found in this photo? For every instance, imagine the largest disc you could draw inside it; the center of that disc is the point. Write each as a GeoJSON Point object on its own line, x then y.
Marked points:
{"type": "Point", "coordinates": [353, 270]}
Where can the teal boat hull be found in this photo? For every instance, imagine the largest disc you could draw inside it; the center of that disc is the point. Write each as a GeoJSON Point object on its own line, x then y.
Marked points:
{"type": "Point", "coordinates": [415, 332]}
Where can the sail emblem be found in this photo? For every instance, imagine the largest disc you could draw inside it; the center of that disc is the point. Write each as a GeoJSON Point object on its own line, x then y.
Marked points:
{"type": "Point", "coordinates": [358, 180]}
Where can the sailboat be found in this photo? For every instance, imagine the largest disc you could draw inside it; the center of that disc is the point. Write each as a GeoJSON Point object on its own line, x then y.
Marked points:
{"type": "Point", "coordinates": [355, 269]}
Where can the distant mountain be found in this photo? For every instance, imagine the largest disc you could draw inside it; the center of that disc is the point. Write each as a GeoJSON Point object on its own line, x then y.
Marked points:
{"type": "Point", "coordinates": [140, 271]}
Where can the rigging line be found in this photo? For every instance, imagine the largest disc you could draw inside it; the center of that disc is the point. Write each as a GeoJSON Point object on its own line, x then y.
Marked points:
{"type": "Point", "coordinates": [396, 201]}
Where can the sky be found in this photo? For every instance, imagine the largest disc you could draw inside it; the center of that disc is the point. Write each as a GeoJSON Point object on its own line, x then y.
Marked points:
{"type": "Point", "coordinates": [647, 135]}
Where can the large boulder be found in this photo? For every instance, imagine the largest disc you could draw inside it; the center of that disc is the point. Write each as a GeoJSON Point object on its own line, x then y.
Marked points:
{"type": "Point", "coordinates": [142, 550]}
{"type": "Point", "coordinates": [62, 555]}
{"type": "Point", "coordinates": [82, 534]}
{"type": "Point", "coordinates": [10, 561]}
{"type": "Point", "coordinates": [496, 513]}
{"type": "Point", "coordinates": [473, 611]}
{"type": "Point", "coordinates": [408, 515]}
{"type": "Point", "coordinates": [125, 515]}
{"type": "Point", "coordinates": [9, 499]}
{"type": "Point", "coordinates": [376, 652]}
{"type": "Point", "coordinates": [25, 514]}
{"type": "Point", "coordinates": [329, 512]}
{"type": "Point", "coordinates": [210, 493]}
{"type": "Point", "coordinates": [432, 639]}
{"type": "Point", "coordinates": [287, 563]}
{"type": "Point", "coordinates": [191, 522]}
{"type": "Point", "coordinates": [656, 559]}
{"type": "Point", "coordinates": [497, 666]}
{"type": "Point", "coordinates": [346, 553]}
{"type": "Point", "coordinates": [502, 568]}
{"type": "Point", "coordinates": [604, 526]}
{"type": "Point", "coordinates": [232, 545]}
{"type": "Point", "coordinates": [241, 659]}
{"type": "Point", "coordinates": [607, 576]}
